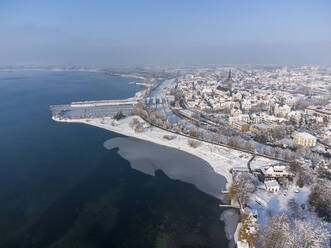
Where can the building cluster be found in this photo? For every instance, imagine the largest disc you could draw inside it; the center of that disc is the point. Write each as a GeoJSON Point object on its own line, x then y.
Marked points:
{"type": "Point", "coordinates": [260, 100]}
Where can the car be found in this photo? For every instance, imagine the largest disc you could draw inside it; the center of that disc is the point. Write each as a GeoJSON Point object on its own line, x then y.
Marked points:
{"type": "Point", "coordinates": [296, 191]}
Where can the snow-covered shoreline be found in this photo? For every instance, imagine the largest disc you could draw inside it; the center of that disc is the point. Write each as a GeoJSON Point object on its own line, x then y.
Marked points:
{"type": "Point", "coordinates": [220, 159]}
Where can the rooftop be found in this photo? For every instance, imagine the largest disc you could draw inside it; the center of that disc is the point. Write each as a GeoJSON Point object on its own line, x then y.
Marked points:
{"type": "Point", "coordinates": [304, 135]}
{"type": "Point", "coordinates": [271, 183]}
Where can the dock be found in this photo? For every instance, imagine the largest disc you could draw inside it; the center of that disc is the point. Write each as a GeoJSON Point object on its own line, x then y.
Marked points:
{"type": "Point", "coordinates": [229, 206]}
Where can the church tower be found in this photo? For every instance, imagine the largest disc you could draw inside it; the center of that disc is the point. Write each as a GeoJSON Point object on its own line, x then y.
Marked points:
{"type": "Point", "coordinates": [229, 81]}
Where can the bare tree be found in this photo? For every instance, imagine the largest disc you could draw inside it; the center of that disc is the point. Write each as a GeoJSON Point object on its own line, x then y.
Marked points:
{"type": "Point", "coordinates": [193, 143]}
{"type": "Point", "coordinates": [194, 132]}
{"type": "Point", "coordinates": [294, 208]}
{"type": "Point", "coordinates": [136, 125]}
{"type": "Point", "coordinates": [234, 141]}
{"type": "Point", "coordinates": [249, 146]}
{"type": "Point", "coordinates": [139, 128]}
{"type": "Point", "coordinates": [278, 132]}
{"type": "Point", "coordinates": [301, 104]}
{"type": "Point", "coordinates": [275, 233]}
{"type": "Point", "coordinates": [307, 234]}
{"type": "Point", "coordinates": [281, 232]}
{"type": "Point", "coordinates": [243, 185]}
{"type": "Point", "coordinates": [134, 122]}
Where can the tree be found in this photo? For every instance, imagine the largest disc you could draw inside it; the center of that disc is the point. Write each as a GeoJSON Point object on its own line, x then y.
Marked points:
{"type": "Point", "coordinates": [324, 171]}
{"type": "Point", "coordinates": [278, 132]}
{"type": "Point", "coordinates": [282, 232]}
{"type": "Point", "coordinates": [196, 116]}
{"type": "Point", "coordinates": [139, 128]}
{"type": "Point", "coordinates": [294, 208]}
{"type": "Point", "coordinates": [140, 109]}
{"type": "Point", "coordinates": [161, 115]}
{"type": "Point", "coordinates": [193, 143]}
{"type": "Point", "coordinates": [243, 185]}
{"type": "Point", "coordinates": [249, 146]}
{"type": "Point", "coordinates": [136, 125]}
{"type": "Point", "coordinates": [194, 132]}
{"type": "Point", "coordinates": [261, 138]}
{"type": "Point", "coordinates": [301, 104]}
{"type": "Point", "coordinates": [307, 234]}
{"type": "Point", "coordinates": [274, 234]}
{"type": "Point", "coordinates": [234, 141]}
{"type": "Point", "coordinates": [134, 122]}
{"type": "Point", "coordinates": [277, 151]}
{"type": "Point", "coordinates": [119, 115]}
{"type": "Point", "coordinates": [320, 198]}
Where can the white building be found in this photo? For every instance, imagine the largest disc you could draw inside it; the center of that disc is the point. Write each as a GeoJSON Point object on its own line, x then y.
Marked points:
{"type": "Point", "coordinates": [282, 110]}
{"type": "Point", "coordinates": [304, 139]}
{"type": "Point", "coordinates": [235, 112]}
{"type": "Point", "coordinates": [271, 186]}
{"type": "Point", "coordinates": [242, 244]}
{"type": "Point", "coordinates": [276, 171]}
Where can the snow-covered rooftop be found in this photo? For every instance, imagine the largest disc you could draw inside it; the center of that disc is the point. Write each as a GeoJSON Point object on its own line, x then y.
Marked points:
{"type": "Point", "coordinates": [271, 183]}
{"type": "Point", "coordinates": [305, 135]}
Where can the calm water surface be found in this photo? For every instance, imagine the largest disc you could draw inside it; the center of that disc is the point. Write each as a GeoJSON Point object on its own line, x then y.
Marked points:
{"type": "Point", "coordinates": [59, 187]}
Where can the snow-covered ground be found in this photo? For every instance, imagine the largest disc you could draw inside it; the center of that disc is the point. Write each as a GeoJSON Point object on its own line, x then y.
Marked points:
{"type": "Point", "coordinates": [276, 203]}
{"type": "Point", "coordinates": [269, 204]}
{"type": "Point", "coordinates": [260, 162]}
{"type": "Point", "coordinates": [219, 158]}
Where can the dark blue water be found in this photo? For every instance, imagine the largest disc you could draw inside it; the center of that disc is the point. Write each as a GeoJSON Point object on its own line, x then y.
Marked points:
{"type": "Point", "coordinates": [59, 187]}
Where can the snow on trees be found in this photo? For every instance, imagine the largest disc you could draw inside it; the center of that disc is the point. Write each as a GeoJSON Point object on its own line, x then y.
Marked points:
{"type": "Point", "coordinates": [281, 231]}
{"type": "Point", "coordinates": [249, 145]}
{"type": "Point", "coordinates": [305, 234]}
{"type": "Point", "coordinates": [242, 186]}
{"type": "Point", "coordinates": [136, 125]}
{"type": "Point", "coordinates": [274, 234]}
{"type": "Point", "coordinates": [234, 141]}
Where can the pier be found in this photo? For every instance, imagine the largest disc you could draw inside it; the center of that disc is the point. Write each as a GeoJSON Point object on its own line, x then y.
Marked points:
{"type": "Point", "coordinates": [229, 206]}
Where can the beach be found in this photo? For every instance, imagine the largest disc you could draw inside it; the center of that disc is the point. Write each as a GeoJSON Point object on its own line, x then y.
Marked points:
{"type": "Point", "coordinates": [208, 169]}
{"type": "Point", "coordinates": [221, 159]}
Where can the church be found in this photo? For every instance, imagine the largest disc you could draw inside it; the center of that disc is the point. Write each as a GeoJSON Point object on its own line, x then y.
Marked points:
{"type": "Point", "coordinates": [227, 85]}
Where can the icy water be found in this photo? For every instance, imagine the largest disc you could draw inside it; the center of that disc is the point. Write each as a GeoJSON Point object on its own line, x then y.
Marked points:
{"type": "Point", "coordinates": [59, 186]}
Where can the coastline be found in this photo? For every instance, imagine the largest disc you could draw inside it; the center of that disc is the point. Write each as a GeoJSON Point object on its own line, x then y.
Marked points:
{"type": "Point", "coordinates": [220, 160]}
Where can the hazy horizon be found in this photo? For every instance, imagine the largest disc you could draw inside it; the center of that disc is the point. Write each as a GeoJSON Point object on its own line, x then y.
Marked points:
{"type": "Point", "coordinates": [168, 33]}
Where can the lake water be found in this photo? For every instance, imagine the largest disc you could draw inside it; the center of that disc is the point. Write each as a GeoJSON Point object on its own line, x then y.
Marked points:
{"type": "Point", "coordinates": [59, 186]}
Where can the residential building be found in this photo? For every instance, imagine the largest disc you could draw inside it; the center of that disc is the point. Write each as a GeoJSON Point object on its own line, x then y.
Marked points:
{"type": "Point", "coordinates": [276, 171]}
{"type": "Point", "coordinates": [304, 139]}
{"type": "Point", "coordinates": [272, 186]}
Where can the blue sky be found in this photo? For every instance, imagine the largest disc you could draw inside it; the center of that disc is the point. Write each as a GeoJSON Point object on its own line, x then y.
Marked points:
{"type": "Point", "coordinates": [170, 32]}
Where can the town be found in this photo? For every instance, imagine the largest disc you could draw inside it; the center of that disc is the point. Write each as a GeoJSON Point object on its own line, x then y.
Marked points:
{"type": "Point", "coordinates": [279, 116]}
